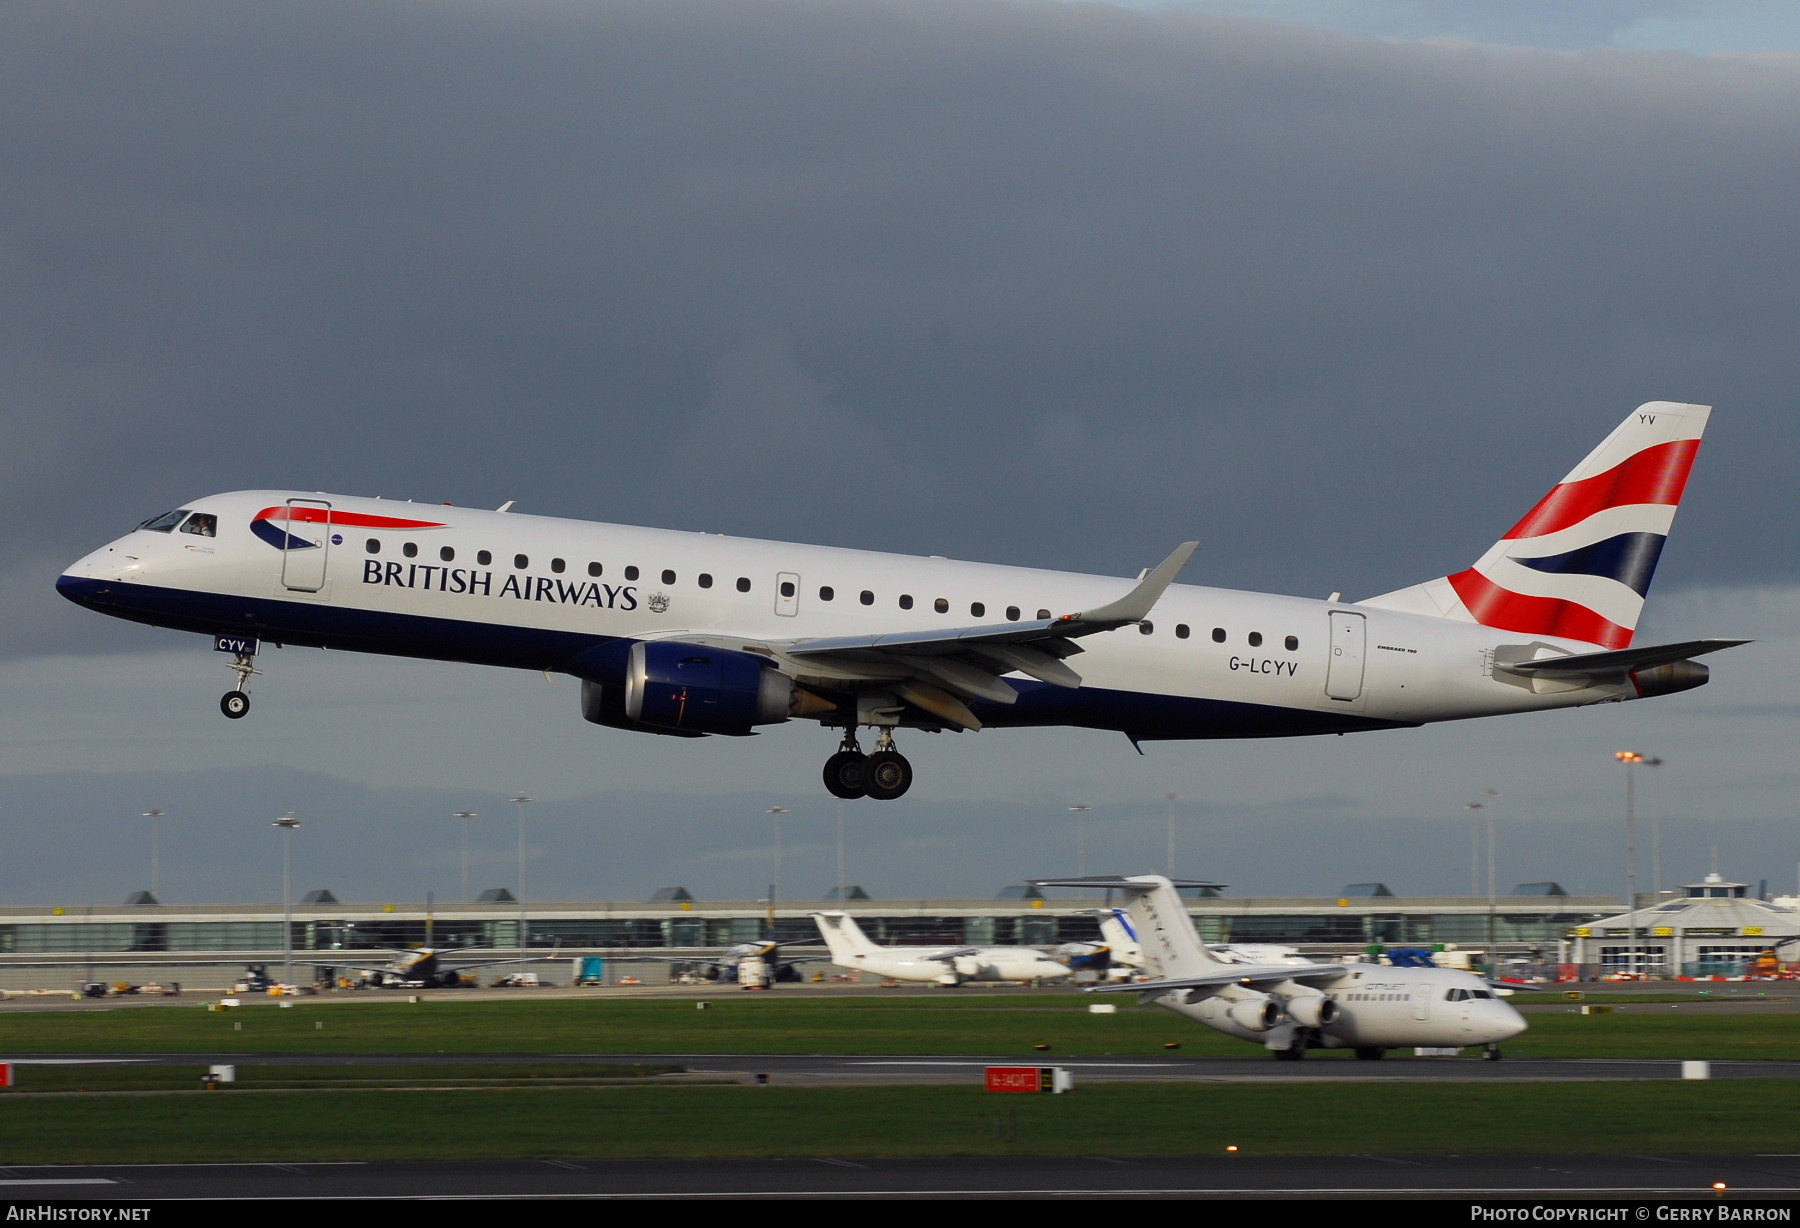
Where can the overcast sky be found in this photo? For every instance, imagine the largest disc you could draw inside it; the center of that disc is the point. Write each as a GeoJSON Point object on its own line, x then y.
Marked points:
{"type": "Point", "coordinates": [1058, 284]}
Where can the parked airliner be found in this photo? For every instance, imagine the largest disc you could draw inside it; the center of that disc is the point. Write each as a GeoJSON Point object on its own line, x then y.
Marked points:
{"type": "Point", "coordinates": [690, 634]}
{"type": "Point", "coordinates": [1290, 1007]}
{"type": "Point", "coordinates": [950, 966]}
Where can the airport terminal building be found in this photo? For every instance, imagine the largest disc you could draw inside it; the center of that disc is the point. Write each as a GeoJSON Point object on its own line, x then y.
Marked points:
{"type": "Point", "coordinates": [202, 945]}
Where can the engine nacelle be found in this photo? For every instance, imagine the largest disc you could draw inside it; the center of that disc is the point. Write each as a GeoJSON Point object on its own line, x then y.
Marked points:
{"type": "Point", "coordinates": [1258, 1014]}
{"type": "Point", "coordinates": [1670, 678]}
{"type": "Point", "coordinates": [695, 689]}
{"type": "Point", "coordinates": [604, 704]}
{"type": "Point", "coordinates": [1313, 1010]}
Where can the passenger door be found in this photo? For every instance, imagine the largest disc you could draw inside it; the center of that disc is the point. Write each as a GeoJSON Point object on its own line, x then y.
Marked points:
{"type": "Point", "coordinates": [1344, 669]}
{"type": "Point", "coordinates": [787, 594]}
{"type": "Point", "coordinates": [308, 545]}
{"type": "Point", "coordinates": [1421, 1002]}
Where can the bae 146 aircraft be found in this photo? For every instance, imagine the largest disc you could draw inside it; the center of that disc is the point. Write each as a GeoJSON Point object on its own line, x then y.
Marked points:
{"type": "Point", "coordinates": [1290, 1007]}
{"type": "Point", "coordinates": [690, 634]}
{"type": "Point", "coordinates": [951, 966]}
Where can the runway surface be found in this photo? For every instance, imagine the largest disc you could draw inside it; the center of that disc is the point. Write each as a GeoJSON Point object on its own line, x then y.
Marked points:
{"type": "Point", "coordinates": [1747, 1177]}
{"type": "Point", "coordinates": [826, 1069]}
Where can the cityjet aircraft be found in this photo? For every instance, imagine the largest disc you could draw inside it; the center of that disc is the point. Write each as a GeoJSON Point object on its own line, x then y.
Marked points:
{"type": "Point", "coordinates": [690, 634]}
{"type": "Point", "coordinates": [1290, 1008]}
{"type": "Point", "coordinates": [851, 948]}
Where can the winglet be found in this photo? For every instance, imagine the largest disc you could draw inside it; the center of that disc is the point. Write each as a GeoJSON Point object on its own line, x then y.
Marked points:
{"type": "Point", "coordinates": [1136, 605]}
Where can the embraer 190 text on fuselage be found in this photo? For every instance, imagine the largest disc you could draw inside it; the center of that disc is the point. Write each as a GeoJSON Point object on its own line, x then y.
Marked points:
{"type": "Point", "coordinates": [690, 634]}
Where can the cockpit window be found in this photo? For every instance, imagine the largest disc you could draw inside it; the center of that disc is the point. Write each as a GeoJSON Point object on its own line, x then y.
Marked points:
{"type": "Point", "coordinates": [202, 524]}
{"type": "Point", "coordinates": [164, 523]}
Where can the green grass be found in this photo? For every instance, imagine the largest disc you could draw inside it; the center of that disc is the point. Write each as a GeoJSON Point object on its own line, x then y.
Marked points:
{"type": "Point", "coordinates": [941, 1024]}
{"type": "Point", "coordinates": [1120, 1119]}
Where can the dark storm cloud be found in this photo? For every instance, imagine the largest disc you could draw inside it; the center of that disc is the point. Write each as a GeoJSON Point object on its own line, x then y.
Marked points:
{"type": "Point", "coordinates": [1058, 285]}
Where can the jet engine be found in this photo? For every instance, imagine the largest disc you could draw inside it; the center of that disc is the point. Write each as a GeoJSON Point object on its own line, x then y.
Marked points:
{"type": "Point", "coordinates": [1259, 1014]}
{"type": "Point", "coordinates": [696, 689]}
{"type": "Point", "coordinates": [1312, 1010]}
{"type": "Point", "coordinates": [1670, 678]}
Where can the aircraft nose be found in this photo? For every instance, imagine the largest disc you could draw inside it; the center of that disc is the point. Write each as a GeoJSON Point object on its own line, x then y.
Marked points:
{"type": "Point", "coordinates": [1507, 1022]}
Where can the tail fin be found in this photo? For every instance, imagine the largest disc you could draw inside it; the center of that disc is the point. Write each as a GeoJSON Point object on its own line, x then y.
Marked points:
{"type": "Point", "coordinates": [843, 937]}
{"type": "Point", "coordinates": [1579, 564]}
{"type": "Point", "coordinates": [1164, 931]}
{"type": "Point", "coordinates": [1116, 929]}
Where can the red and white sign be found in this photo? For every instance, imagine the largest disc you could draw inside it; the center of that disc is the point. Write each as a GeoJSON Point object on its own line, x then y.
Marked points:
{"type": "Point", "coordinates": [6, 1074]}
{"type": "Point", "coordinates": [1052, 1079]}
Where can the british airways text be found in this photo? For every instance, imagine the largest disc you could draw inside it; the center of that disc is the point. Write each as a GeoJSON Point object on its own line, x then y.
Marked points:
{"type": "Point", "coordinates": [521, 588]}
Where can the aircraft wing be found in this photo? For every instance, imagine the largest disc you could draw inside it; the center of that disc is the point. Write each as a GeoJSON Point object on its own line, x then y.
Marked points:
{"type": "Point", "coordinates": [1237, 975]}
{"type": "Point", "coordinates": [954, 953]}
{"type": "Point", "coordinates": [940, 671]}
{"type": "Point", "coordinates": [1588, 663]}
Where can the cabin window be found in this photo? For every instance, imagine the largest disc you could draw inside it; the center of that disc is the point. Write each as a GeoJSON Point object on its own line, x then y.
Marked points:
{"type": "Point", "coordinates": [521, 561]}
{"type": "Point", "coordinates": [373, 545]}
{"type": "Point", "coordinates": [787, 588]}
{"type": "Point", "coordinates": [826, 593]}
{"type": "Point", "coordinates": [1043, 613]}
{"type": "Point", "coordinates": [1146, 628]}
{"type": "Point", "coordinates": [1012, 613]}
{"type": "Point", "coordinates": [977, 610]}
{"type": "Point", "coordinates": [1291, 643]}
{"type": "Point", "coordinates": [668, 577]}
{"type": "Point", "coordinates": [164, 523]}
{"type": "Point", "coordinates": [867, 598]}
{"type": "Point", "coordinates": [557, 565]}
{"type": "Point", "coordinates": [743, 584]}
{"type": "Point", "coordinates": [595, 569]}
{"type": "Point", "coordinates": [941, 605]}
{"type": "Point", "coordinates": [410, 550]}
{"type": "Point", "coordinates": [202, 524]}
{"type": "Point", "coordinates": [905, 601]}
{"type": "Point", "coordinates": [1256, 639]}
{"type": "Point", "coordinates": [1218, 635]}
{"type": "Point", "coordinates": [484, 557]}
{"type": "Point", "coordinates": [631, 573]}
{"type": "Point", "coordinates": [1181, 631]}
{"type": "Point", "coordinates": [704, 579]}
{"type": "Point", "coordinates": [447, 553]}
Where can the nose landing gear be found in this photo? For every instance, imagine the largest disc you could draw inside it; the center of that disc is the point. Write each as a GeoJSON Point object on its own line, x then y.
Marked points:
{"type": "Point", "coordinates": [236, 703]}
{"type": "Point", "coordinates": [883, 775]}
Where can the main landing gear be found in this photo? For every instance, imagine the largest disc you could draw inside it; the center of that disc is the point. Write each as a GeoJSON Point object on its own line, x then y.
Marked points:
{"type": "Point", "coordinates": [235, 703]}
{"type": "Point", "coordinates": [884, 775]}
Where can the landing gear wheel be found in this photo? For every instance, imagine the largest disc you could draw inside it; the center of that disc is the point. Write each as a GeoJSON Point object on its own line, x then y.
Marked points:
{"type": "Point", "coordinates": [887, 775]}
{"type": "Point", "coordinates": [846, 775]}
{"type": "Point", "coordinates": [1491, 1053]}
{"type": "Point", "coordinates": [1369, 1053]}
{"type": "Point", "coordinates": [234, 704]}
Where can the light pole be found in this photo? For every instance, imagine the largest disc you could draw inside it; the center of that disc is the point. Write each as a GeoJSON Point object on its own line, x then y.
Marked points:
{"type": "Point", "coordinates": [155, 814]}
{"type": "Point", "coordinates": [287, 824]}
{"type": "Point", "coordinates": [775, 813]}
{"type": "Point", "coordinates": [841, 883]}
{"type": "Point", "coordinates": [1080, 810]}
{"type": "Point", "coordinates": [520, 801]}
{"type": "Point", "coordinates": [1487, 809]}
{"type": "Point", "coordinates": [1169, 800]}
{"type": "Point", "coordinates": [465, 816]}
{"type": "Point", "coordinates": [1631, 758]}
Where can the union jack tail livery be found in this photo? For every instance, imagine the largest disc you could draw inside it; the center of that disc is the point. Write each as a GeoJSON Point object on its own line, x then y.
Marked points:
{"type": "Point", "coordinates": [1579, 564]}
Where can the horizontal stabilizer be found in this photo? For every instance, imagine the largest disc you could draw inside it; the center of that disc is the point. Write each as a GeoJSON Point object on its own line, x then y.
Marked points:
{"type": "Point", "coordinates": [1589, 663]}
{"type": "Point", "coordinates": [1119, 882]}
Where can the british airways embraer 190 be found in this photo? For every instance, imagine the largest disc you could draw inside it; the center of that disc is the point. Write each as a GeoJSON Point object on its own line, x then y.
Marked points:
{"type": "Point", "coordinates": [689, 634]}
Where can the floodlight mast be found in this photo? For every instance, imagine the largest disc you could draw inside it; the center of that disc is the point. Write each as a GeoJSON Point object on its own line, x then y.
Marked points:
{"type": "Point", "coordinates": [520, 801]}
{"type": "Point", "coordinates": [287, 824]}
{"type": "Point", "coordinates": [155, 814]}
{"type": "Point", "coordinates": [465, 816]}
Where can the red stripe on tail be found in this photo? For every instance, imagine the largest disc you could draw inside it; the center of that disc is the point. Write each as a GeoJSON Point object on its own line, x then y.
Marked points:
{"type": "Point", "coordinates": [1494, 606]}
{"type": "Point", "coordinates": [1658, 474]}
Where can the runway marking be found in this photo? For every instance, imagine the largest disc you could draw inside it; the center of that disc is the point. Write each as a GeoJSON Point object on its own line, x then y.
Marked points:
{"type": "Point", "coordinates": [62, 1181]}
{"type": "Point", "coordinates": [838, 1163]}
{"type": "Point", "coordinates": [574, 1168]}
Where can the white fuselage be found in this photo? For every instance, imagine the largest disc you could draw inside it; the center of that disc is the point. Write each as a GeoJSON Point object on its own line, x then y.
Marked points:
{"type": "Point", "coordinates": [1208, 662]}
{"type": "Point", "coordinates": [1379, 1007]}
{"type": "Point", "coordinates": [983, 964]}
